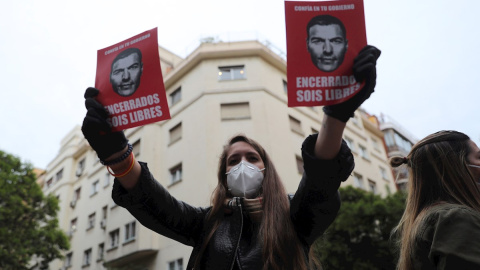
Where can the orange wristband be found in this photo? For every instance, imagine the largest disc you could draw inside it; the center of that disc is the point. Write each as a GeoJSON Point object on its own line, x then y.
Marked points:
{"type": "Point", "coordinates": [130, 167]}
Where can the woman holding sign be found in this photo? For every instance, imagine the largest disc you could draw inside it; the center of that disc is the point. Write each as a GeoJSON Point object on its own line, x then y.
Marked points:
{"type": "Point", "coordinates": [252, 222]}
{"type": "Point", "coordinates": [440, 228]}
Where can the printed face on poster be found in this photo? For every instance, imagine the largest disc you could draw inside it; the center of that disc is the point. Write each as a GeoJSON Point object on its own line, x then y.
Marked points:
{"type": "Point", "coordinates": [323, 39]}
{"type": "Point", "coordinates": [130, 81]}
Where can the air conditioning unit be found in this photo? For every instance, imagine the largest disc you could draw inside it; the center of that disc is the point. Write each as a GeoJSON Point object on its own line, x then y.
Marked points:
{"type": "Point", "coordinates": [103, 223]}
{"type": "Point", "coordinates": [72, 203]}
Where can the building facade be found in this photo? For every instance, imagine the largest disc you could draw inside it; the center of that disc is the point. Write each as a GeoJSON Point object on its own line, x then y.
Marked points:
{"type": "Point", "coordinates": [219, 90]}
{"type": "Point", "coordinates": [398, 142]}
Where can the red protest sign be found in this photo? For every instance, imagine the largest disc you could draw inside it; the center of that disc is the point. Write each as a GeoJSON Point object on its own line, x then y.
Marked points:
{"type": "Point", "coordinates": [130, 81]}
{"type": "Point", "coordinates": [323, 39]}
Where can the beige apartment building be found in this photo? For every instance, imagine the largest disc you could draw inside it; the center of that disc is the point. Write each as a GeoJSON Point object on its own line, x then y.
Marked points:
{"type": "Point", "coordinates": [398, 142]}
{"type": "Point", "coordinates": [219, 90]}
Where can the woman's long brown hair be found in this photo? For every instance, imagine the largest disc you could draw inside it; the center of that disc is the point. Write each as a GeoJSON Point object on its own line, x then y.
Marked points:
{"type": "Point", "coordinates": [281, 248]}
{"type": "Point", "coordinates": [438, 173]}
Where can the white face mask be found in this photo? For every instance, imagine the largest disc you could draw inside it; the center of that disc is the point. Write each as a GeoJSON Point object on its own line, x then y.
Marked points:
{"type": "Point", "coordinates": [244, 180]}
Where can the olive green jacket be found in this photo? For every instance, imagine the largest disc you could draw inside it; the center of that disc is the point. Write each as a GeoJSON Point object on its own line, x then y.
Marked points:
{"type": "Point", "coordinates": [448, 238]}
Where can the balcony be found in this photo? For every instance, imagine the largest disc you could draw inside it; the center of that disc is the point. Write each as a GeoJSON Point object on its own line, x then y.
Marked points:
{"type": "Point", "coordinates": [135, 258]}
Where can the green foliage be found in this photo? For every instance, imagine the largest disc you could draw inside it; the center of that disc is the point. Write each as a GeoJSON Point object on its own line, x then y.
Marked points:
{"type": "Point", "coordinates": [359, 238]}
{"type": "Point", "coordinates": [28, 224]}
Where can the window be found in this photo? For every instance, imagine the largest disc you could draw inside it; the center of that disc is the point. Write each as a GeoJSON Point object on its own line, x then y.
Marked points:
{"type": "Point", "coordinates": [91, 221]}
{"type": "Point", "coordinates": [130, 231]}
{"type": "Point", "coordinates": [389, 138]}
{"type": "Point", "coordinates": [350, 144]}
{"type": "Point", "coordinates": [357, 180]}
{"type": "Point", "coordinates": [94, 187]}
{"type": "Point", "coordinates": [59, 175]}
{"type": "Point", "coordinates": [136, 148]}
{"type": "Point", "coordinates": [235, 111]}
{"type": "Point", "coordinates": [80, 167]}
{"type": "Point", "coordinates": [176, 265]}
{"type": "Point", "coordinates": [104, 212]}
{"type": "Point", "coordinates": [176, 174]}
{"type": "Point", "coordinates": [106, 179]}
{"type": "Point", "coordinates": [103, 219]}
{"type": "Point", "coordinates": [285, 87]}
{"type": "Point", "coordinates": [114, 238]}
{"type": "Point", "coordinates": [68, 259]}
{"type": "Point", "coordinates": [376, 145]}
{"type": "Point", "coordinates": [396, 142]}
{"type": "Point", "coordinates": [230, 73]}
{"type": "Point", "coordinates": [402, 143]}
{"type": "Point", "coordinates": [76, 194]}
{"type": "Point", "coordinates": [73, 228]}
{"type": "Point", "coordinates": [295, 125]}
{"type": "Point", "coordinates": [73, 225]}
{"type": "Point", "coordinates": [87, 256]}
{"type": "Point", "coordinates": [363, 152]}
{"type": "Point", "coordinates": [101, 250]}
{"type": "Point", "coordinates": [299, 164]}
{"type": "Point", "coordinates": [176, 96]}
{"type": "Point", "coordinates": [176, 133]}
{"type": "Point", "coordinates": [384, 174]}
{"type": "Point", "coordinates": [372, 186]}
{"type": "Point", "coordinates": [49, 182]}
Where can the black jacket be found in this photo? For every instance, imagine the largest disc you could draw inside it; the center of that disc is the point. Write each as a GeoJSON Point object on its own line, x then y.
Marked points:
{"type": "Point", "coordinates": [312, 209]}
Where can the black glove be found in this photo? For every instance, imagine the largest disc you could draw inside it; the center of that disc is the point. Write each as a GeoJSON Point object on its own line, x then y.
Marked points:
{"type": "Point", "coordinates": [364, 68]}
{"type": "Point", "coordinates": [98, 131]}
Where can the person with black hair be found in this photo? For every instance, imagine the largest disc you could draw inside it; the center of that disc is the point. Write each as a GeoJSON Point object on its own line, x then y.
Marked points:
{"type": "Point", "coordinates": [326, 42]}
{"type": "Point", "coordinates": [126, 70]}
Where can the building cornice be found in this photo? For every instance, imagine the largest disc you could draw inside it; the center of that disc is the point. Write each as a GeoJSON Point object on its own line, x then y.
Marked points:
{"type": "Point", "coordinates": [222, 50]}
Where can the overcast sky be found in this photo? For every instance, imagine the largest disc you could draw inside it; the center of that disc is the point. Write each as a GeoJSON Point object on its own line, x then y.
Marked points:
{"type": "Point", "coordinates": [427, 74]}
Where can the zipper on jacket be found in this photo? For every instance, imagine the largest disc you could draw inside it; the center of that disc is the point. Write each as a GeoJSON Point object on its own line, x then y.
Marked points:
{"type": "Point", "coordinates": [239, 236]}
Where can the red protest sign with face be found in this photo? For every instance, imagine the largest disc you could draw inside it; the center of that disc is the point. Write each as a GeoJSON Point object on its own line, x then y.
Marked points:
{"type": "Point", "coordinates": [130, 81]}
{"type": "Point", "coordinates": [323, 39]}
